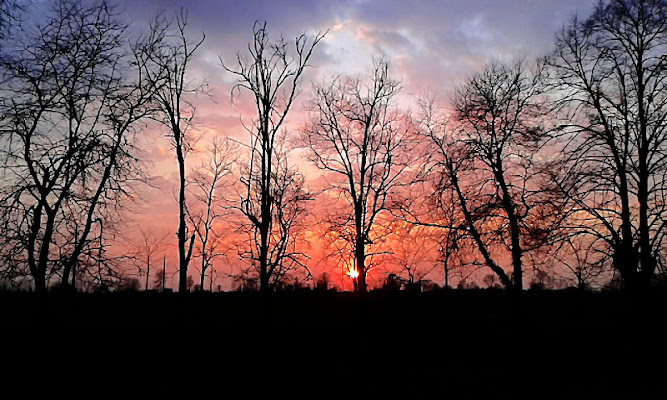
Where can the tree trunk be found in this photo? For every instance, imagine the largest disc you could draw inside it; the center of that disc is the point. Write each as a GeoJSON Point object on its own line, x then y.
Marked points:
{"type": "Point", "coordinates": [446, 262]}
{"type": "Point", "coordinates": [74, 277]}
{"type": "Point", "coordinates": [40, 283]}
{"type": "Point", "coordinates": [475, 233]}
{"type": "Point", "coordinates": [515, 229]}
{"type": "Point", "coordinates": [67, 269]}
{"type": "Point", "coordinates": [182, 258]}
{"type": "Point", "coordinates": [360, 261]}
{"type": "Point", "coordinates": [266, 203]}
{"type": "Point", "coordinates": [360, 244]}
{"type": "Point", "coordinates": [42, 263]}
{"type": "Point", "coordinates": [203, 274]}
{"type": "Point", "coordinates": [164, 271]}
{"type": "Point", "coordinates": [148, 271]}
{"type": "Point", "coordinates": [264, 276]}
{"type": "Point", "coordinates": [625, 258]}
{"type": "Point", "coordinates": [263, 262]}
{"type": "Point", "coordinates": [647, 263]}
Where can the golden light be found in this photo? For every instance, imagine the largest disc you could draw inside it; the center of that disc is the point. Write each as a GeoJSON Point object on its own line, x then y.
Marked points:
{"type": "Point", "coordinates": [353, 273]}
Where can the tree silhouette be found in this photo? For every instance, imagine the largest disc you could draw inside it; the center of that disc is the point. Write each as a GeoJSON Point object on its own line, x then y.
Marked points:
{"type": "Point", "coordinates": [581, 257]}
{"type": "Point", "coordinates": [170, 57]}
{"type": "Point", "coordinates": [487, 157]}
{"type": "Point", "coordinates": [73, 93]}
{"type": "Point", "coordinates": [359, 139]}
{"type": "Point", "coordinates": [288, 196]}
{"type": "Point", "coordinates": [414, 250]}
{"type": "Point", "coordinates": [147, 246]}
{"type": "Point", "coordinates": [271, 72]}
{"type": "Point", "coordinates": [609, 75]}
{"type": "Point", "coordinates": [431, 200]}
{"type": "Point", "coordinates": [206, 212]}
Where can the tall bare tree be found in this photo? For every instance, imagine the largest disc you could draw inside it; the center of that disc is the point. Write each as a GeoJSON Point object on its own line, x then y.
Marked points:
{"type": "Point", "coordinates": [206, 212]}
{"type": "Point", "coordinates": [285, 236]}
{"type": "Point", "coordinates": [441, 202]}
{"type": "Point", "coordinates": [358, 137]}
{"type": "Point", "coordinates": [609, 72]}
{"type": "Point", "coordinates": [489, 161]}
{"type": "Point", "coordinates": [432, 199]}
{"type": "Point", "coordinates": [170, 59]}
{"type": "Point", "coordinates": [271, 72]}
{"type": "Point", "coordinates": [72, 94]}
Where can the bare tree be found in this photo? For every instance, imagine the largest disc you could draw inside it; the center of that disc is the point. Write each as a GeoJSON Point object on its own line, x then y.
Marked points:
{"type": "Point", "coordinates": [609, 72]}
{"type": "Point", "coordinates": [442, 201]}
{"type": "Point", "coordinates": [170, 59]}
{"type": "Point", "coordinates": [147, 246]}
{"type": "Point", "coordinates": [489, 161]}
{"type": "Point", "coordinates": [271, 72]}
{"type": "Point", "coordinates": [581, 257]}
{"type": "Point", "coordinates": [415, 251]}
{"type": "Point", "coordinates": [72, 93]}
{"type": "Point", "coordinates": [206, 213]}
{"type": "Point", "coordinates": [288, 195]}
{"type": "Point", "coordinates": [432, 199]}
{"type": "Point", "coordinates": [359, 138]}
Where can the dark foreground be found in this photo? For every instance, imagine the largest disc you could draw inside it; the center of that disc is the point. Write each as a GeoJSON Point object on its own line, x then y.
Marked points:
{"type": "Point", "coordinates": [448, 344]}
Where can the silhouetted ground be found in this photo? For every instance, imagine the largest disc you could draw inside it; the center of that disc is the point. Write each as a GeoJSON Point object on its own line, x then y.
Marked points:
{"type": "Point", "coordinates": [445, 344]}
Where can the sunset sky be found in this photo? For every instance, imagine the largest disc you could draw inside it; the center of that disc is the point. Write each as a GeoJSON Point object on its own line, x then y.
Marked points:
{"type": "Point", "coordinates": [366, 197]}
{"type": "Point", "coordinates": [431, 45]}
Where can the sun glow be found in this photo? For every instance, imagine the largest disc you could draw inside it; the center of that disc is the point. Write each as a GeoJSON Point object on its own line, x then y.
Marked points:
{"type": "Point", "coordinates": [353, 273]}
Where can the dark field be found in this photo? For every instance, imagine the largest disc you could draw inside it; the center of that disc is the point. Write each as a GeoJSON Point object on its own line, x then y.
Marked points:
{"type": "Point", "coordinates": [446, 344]}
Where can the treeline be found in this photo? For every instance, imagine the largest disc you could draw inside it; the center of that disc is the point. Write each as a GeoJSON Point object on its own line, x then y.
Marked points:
{"type": "Point", "coordinates": [534, 166]}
